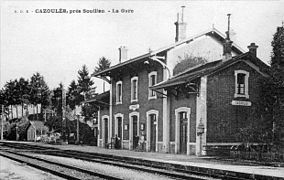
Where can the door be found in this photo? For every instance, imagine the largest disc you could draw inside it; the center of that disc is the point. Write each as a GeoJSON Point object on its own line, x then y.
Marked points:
{"type": "Point", "coordinates": [106, 131]}
{"type": "Point", "coordinates": [183, 133]}
{"type": "Point", "coordinates": [95, 135]}
{"type": "Point", "coordinates": [153, 132]}
{"type": "Point", "coordinates": [135, 133]}
{"type": "Point", "coordinates": [119, 131]}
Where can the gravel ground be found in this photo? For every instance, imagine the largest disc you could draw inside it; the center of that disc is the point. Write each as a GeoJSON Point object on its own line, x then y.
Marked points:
{"type": "Point", "coordinates": [106, 169]}
{"type": "Point", "coordinates": [17, 171]}
{"type": "Point", "coordinates": [63, 170]}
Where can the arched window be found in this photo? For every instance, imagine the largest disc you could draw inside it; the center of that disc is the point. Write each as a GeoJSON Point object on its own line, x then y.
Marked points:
{"type": "Point", "coordinates": [152, 81]}
{"type": "Point", "coordinates": [134, 89]}
{"type": "Point", "coordinates": [119, 92]}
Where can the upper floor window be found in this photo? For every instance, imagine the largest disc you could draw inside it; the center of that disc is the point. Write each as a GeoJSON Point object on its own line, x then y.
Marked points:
{"type": "Point", "coordinates": [119, 92]}
{"type": "Point", "coordinates": [134, 89]}
{"type": "Point", "coordinates": [152, 81]}
{"type": "Point", "coordinates": [241, 83]}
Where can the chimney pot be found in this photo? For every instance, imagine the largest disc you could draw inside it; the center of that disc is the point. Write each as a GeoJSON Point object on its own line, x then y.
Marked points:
{"type": "Point", "coordinates": [180, 27]}
{"type": "Point", "coordinates": [122, 53]}
{"type": "Point", "coordinates": [253, 49]}
{"type": "Point", "coordinates": [227, 46]}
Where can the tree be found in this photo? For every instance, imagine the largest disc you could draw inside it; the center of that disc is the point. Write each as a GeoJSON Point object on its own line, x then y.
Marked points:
{"type": "Point", "coordinates": [84, 82]}
{"type": "Point", "coordinates": [73, 95]}
{"type": "Point", "coordinates": [277, 79]}
{"type": "Point", "coordinates": [10, 94]}
{"type": "Point", "coordinates": [3, 102]}
{"type": "Point", "coordinates": [188, 62]}
{"type": "Point", "coordinates": [55, 122]}
{"type": "Point", "coordinates": [39, 92]}
{"type": "Point", "coordinates": [103, 64]}
{"type": "Point", "coordinates": [23, 88]}
{"type": "Point", "coordinates": [272, 87]}
{"type": "Point", "coordinates": [277, 58]}
{"type": "Point", "coordinates": [56, 99]}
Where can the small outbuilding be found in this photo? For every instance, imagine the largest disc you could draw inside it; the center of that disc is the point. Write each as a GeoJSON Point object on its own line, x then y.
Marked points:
{"type": "Point", "coordinates": [36, 130]}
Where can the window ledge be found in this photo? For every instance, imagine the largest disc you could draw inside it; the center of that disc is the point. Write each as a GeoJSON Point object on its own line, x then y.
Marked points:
{"type": "Point", "coordinates": [117, 103]}
{"type": "Point", "coordinates": [241, 95]}
{"type": "Point", "coordinates": [152, 97]}
{"type": "Point", "coordinates": [134, 100]}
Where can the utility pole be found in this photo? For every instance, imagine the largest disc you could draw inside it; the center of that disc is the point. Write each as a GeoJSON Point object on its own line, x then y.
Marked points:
{"type": "Point", "coordinates": [2, 123]}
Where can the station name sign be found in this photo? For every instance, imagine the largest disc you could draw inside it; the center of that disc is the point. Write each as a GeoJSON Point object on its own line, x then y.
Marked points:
{"type": "Point", "coordinates": [134, 107]}
{"type": "Point", "coordinates": [241, 103]}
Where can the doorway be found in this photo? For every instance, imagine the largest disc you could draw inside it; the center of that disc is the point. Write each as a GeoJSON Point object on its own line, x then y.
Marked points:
{"type": "Point", "coordinates": [119, 132]}
{"type": "Point", "coordinates": [105, 131]}
{"type": "Point", "coordinates": [183, 132]}
{"type": "Point", "coordinates": [135, 136]}
{"type": "Point", "coordinates": [153, 127]}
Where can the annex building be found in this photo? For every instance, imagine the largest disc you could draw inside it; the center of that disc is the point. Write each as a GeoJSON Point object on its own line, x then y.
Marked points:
{"type": "Point", "coordinates": [151, 108]}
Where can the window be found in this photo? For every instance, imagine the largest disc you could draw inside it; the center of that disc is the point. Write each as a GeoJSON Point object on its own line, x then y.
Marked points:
{"type": "Point", "coordinates": [183, 115]}
{"type": "Point", "coordinates": [152, 81]}
{"type": "Point", "coordinates": [241, 83]}
{"type": "Point", "coordinates": [134, 89]}
{"type": "Point", "coordinates": [119, 92]}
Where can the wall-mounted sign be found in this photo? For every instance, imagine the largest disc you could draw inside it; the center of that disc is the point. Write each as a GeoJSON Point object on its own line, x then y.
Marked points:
{"type": "Point", "coordinates": [134, 107]}
{"type": "Point", "coordinates": [241, 103]}
{"type": "Point", "coordinates": [142, 126]}
{"type": "Point", "coordinates": [126, 127]}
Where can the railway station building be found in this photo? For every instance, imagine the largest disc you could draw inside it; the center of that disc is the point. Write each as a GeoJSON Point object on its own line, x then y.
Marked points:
{"type": "Point", "coordinates": [150, 106]}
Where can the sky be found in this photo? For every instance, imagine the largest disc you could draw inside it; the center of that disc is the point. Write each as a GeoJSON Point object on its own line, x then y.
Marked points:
{"type": "Point", "coordinates": [57, 45]}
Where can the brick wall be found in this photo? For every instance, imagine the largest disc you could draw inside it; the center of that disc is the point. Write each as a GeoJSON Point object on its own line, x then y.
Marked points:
{"type": "Point", "coordinates": [183, 101]}
{"type": "Point", "coordinates": [224, 119]}
{"type": "Point", "coordinates": [103, 112]}
{"type": "Point", "coordinates": [144, 104]}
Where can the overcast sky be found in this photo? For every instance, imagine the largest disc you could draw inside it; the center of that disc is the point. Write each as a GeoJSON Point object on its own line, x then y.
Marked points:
{"type": "Point", "coordinates": [57, 45]}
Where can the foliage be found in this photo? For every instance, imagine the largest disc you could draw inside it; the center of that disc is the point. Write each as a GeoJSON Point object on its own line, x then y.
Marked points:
{"type": "Point", "coordinates": [73, 95]}
{"type": "Point", "coordinates": [86, 134]}
{"type": "Point", "coordinates": [84, 80]}
{"type": "Point", "coordinates": [103, 64]}
{"type": "Point", "coordinates": [188, 61]}
{"type": "Point", "coordinates": [276, 81]}
{"type": "Point", "coordinates": [268, 128]}
{"type": "Point", "coordinates": [10, 92]}
{"type": "Point", "coordinates": [54, 123]}
{"type": "Point", "coordinates": [56, 99]}
{"type": "Point", "coordinates": [39, 90]}
{"type": "Point", "coordinates": [84, 85]}
{"type": "Point", "coordinates": [277, 57]}
{"type": "Point", "coordinates": [24, 89]}
{"type": "Point", "coordinates": [22, 129]}
{"type": "Point", "coordinates": [89, 111]}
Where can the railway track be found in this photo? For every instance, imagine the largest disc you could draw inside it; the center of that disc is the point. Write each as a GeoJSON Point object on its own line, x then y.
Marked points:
{"type": "Point", "coordinates": [165, 169]}
{"type": "Point", "coordinates": [55, 168]}
{"type": "Point", "coordinates": [123, 162]}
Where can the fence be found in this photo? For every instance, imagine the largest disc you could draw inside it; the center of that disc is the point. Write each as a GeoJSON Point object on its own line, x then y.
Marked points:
{"type": "Point", "coordinates": [259, 156]}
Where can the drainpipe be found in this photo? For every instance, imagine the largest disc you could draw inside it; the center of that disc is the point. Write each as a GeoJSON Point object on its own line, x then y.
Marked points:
{"type": "Point", "coordinates": [157, 59]}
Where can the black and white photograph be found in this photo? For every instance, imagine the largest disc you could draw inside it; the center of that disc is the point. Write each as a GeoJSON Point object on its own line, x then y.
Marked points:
{"type": "Point", "coordinates": [141, 90]}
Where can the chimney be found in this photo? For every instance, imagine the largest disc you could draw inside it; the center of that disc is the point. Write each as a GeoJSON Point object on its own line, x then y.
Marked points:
{"type": "Point", "coordinates": [180, 27]}
{"type": "Point", "coordinates": [253, 49]}
{"type": "Point", "coordinates": [227, 46]}
{"type": "Point", "coordinates": [122, 53]}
